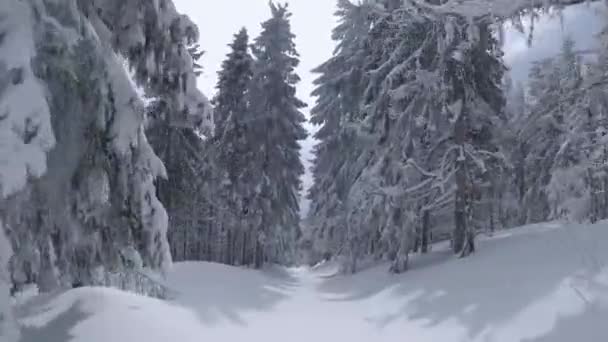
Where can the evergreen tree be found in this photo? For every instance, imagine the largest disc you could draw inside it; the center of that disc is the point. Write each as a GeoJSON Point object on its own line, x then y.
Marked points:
{"type": "Point", "coordinates": [25, 131]}
{"type": "Point", "coordinates": [233, 82]}
{"type": "Point", "coordinates": [8, 327]}
{"type": "Point", "coordinates": [274, 134]}
{"type": "Point", "coordinates": [551, 132]}
{"type": "Point", "coordinates": [431, 94]}
{"type": "Point", "coordinates": [232, 151]}
{"type": "Point", "coordinates": [94, 215]}
{"type": "Point", "coordinates": [339, 90]}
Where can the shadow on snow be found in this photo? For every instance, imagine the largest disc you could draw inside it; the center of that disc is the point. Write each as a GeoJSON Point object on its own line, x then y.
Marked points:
{"type": "Point", "coordinates": [488, 288]}
{"type": "Point", "coordinates": [218, 292]}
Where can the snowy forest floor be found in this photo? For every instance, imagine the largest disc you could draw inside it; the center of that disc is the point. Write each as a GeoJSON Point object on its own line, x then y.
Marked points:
{"type": "Point", "coordinates": [540, 283]}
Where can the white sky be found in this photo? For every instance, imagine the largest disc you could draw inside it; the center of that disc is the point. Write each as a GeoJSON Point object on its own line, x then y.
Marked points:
{"type": "Point", "coordinates": [313, 21]}
{"type": "Point", "coordinates": [581, 22]}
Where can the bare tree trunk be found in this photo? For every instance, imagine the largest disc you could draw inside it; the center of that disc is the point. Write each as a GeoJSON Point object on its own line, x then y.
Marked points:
{"type": "Point", "coordinates": [400, 264]}
{"type": "Point", "coordinates": [460, 205]}
{"type": "Point", "coordinates": [426, 222]}
{"type": "Point", "coordinates": [417, 242]}
{"type": "Point", "coordinates": [352, 269]}
{"type": "Point", "coordinates": [595, 204]}
{"type": "Point", "coordinates": [229, 247]}
{"type": "Point", "coordinates": [604, 213]}
{"type": "Point", "coordinates": [199, 239]}
{"type": "Point", "coordinates": [259, 255]}
{"type": "Point", "coordinates": [207, 249]}
{"type": "Point", "coordinates": [185, 247]}
{"type": "Point", "coordinates": [244, 258]}
{"type": "Point", "coordinates": [492, 214]}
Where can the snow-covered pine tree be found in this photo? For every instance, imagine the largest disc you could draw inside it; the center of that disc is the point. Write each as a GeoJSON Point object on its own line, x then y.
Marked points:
{"type": "Point", "coordinates": [596, 131]}
{"type": "Point", "coordinates": [339, 90]}
{"type": "Point", "coordinates": [551, 134]}
{"type": "Point", "coordinates": [475, 106]}
{"type": "Point", "coordinates": [25, 129]}
{"type": "Point", "coordinates": [459, 87]}
{"type": "Point", "coordinates": [274, 132]}
{"type": "Point", "coordinates": [511, 201]}
{"type": "Point", "coordinates": [232, 151]}
{"type": "Point", "coordinates": [233, 82]}
{"type": "Point", "coordinates": [96, 204]}
{"type": "Point", "coordinates": [433, 93]}
{"type": "Point", "coordinates": [380, 225]}
{"type": "Point", "coordinates": [8, 327]}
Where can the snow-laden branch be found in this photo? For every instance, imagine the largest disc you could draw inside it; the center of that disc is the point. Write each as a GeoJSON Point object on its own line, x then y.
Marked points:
{"type": "Point", "coordinates": [501, 9]}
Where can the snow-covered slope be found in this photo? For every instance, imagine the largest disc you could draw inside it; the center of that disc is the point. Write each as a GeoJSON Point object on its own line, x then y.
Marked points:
{"type": "Point", "coordinates": [542, 283]}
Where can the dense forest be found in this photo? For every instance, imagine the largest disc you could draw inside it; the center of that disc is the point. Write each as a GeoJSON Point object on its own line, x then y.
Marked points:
{"type": "Point", "coordinates": [113, 164]}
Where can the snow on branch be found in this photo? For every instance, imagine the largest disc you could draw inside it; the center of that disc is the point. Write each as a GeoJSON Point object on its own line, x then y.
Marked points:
{"type": "Point", "coordinates": [155, 39]}
{"type": "Point", "coordinates": [501, 9]}
{"type": "Point", "coordinates": [25, 128]}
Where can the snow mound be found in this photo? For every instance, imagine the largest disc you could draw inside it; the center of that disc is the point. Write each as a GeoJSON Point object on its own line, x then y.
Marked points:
{"type": "Point", "coordinates": [206, 294]}
{"type": "Point", "coordinates": [102, 314]}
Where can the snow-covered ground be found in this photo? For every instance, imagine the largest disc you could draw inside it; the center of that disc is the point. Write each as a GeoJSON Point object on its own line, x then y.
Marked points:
{"type": "Point", "coordinates": [542, 283]}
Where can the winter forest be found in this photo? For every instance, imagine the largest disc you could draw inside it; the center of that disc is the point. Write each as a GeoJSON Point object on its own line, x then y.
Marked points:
{"type": "Point", "coordinates": [118, 174]}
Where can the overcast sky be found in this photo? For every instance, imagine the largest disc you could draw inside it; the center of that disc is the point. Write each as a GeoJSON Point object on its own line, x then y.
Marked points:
{"type": "Point", "coordinates": [313, 21]}
{"type": "Point", "coordinates": [580, 22]}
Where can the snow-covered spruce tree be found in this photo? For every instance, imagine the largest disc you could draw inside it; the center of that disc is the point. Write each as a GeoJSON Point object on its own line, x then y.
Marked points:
{"type": "Point", "coordinates": [25, 129]}
{"type": "Point", "coordinates": [96, 205]}
{"type": "Point", "coordinates": [511, 189]}
{"type": "Point", "coordinates": [433, 95]}
{"type": "Point", "coordinates": [370, 223]}
{"type": "Point", "coordinates": [274, 133]}
{"type": "Point", "coordinates": [185, 193]}
{"type": "Point", "coordinates": [478, 107]}
{"type": "Point", "coordinates": [8, 327]}
{"type": "Point", "coordinates": [339, 90]}
{"type": "Point", "coordinates": [378, 225]}
{"type": "Point", "coordinates": [464, 105]}
{"type": "Point", "coordinates": [596, 132]}
{"type": "Point", "coordinates": [233, 82]}
{"type": "Point", "coordinates": [232, 151]}
{"type": "Point", "coordinates": [553, 134]}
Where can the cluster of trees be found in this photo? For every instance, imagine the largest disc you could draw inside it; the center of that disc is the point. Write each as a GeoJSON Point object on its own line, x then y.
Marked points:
{"type": "Point", "coordinates": [92, 174]}
{"type": "Point", "coordinates": [421, 134]}
{"type": "Point", "coordinates": [78, 201]}
{"type": "Point", "coordinates": [234, 197]}
{"type": "Point", "coordinates": [560, 124]}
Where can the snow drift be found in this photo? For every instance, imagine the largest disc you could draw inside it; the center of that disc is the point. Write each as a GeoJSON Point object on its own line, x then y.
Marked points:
{"type": "Point", "coordinates": [538, 283]}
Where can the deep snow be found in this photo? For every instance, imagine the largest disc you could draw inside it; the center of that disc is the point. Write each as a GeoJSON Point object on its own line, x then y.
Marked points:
{"type": "Point", "coordinates": [541, 283]}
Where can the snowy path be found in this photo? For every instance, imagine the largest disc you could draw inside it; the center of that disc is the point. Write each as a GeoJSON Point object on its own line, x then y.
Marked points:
{"type": "Point", "coordinates": [545, 283]}
{"type": "Point", "coordinates": [303, 315]}
{"type": "Point", "coordinates": [540, 283]}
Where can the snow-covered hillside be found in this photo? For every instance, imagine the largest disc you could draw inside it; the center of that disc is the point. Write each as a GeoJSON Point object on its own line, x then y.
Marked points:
{"type": "Point", "coordinates": [542, 283]}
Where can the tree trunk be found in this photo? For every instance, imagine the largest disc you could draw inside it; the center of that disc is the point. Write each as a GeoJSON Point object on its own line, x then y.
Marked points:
{"type": "Point", "coordinates": [460, 224]}
{"type": "Point", "coordinates": [417, 243]}
{"type": "Point", "coordinates": [259, 255]}
{"type": "Point", "coordinates": [492, 214]}
{"type": "Point", "coordinates": [426, 222]}
{"type": "Point", "coordinates": [185, 246]}
{"type": "Point", "coordinates": [244, 259]}
{"type": "Point", "coordinates": [460, 208]}
{"type": "Point", "coordinates": [604, 213]}
{"type": "Point", "coordinates": [400, 264]}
